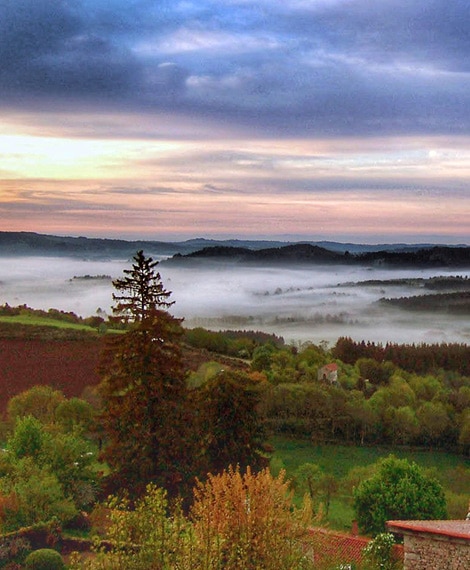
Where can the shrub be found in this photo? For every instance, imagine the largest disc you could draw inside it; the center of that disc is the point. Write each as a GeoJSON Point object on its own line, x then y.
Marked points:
{"type": "Point", "coordinates": [246, 520]}
{"type": "Point", "coordinates": [44, 559]}
{"type": "Point", "coordinates": [13, 549]}
{"type": "Point", "coordinates": [379, 552]}
{"type": "Point", "coordinates": [238, 521]}
{"type": "Point", "coordinates": [399, 490]}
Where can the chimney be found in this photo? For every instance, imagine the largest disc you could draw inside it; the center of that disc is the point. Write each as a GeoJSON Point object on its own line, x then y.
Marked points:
{"type": "Point", "coordinates": [354, 528]}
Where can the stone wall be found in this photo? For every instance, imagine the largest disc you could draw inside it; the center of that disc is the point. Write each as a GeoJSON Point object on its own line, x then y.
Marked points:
{"type": "Point", "coordinates": [423, 552]}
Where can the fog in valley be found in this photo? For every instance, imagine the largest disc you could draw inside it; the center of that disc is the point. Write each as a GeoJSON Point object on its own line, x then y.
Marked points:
{"type": "Point", "coordinates": [304, 303]}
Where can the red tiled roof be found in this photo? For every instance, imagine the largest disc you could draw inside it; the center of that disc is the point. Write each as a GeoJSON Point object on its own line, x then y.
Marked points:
{"type": "Point", "coordinates": [335, 547]}
{"type": "Point", "coordinates": [454, 529]}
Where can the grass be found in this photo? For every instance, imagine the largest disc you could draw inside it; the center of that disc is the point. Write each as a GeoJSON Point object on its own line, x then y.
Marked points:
{"type": "Point", "coordinates": [340, 459]}
{"type": "Point", "coordinates": [43, 322]}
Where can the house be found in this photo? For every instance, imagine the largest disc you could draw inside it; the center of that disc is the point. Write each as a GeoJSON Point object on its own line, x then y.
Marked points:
{"type": "Point", "coordinates": [434, 545]}
{"type": "Point", "coordinates": [328, 373]}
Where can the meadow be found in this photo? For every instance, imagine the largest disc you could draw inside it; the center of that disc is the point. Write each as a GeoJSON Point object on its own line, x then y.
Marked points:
{"type": "Point", "coordinates": [350, 463]}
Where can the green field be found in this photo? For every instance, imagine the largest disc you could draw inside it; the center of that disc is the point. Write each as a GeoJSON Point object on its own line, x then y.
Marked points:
{"type": "Point", "coordinates": [43, 322]}
{"type": "Point", "coordinates": [452, 470]}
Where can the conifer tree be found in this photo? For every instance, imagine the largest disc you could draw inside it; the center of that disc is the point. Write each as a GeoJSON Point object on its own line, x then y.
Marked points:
{"type": "Point", "coordinates": [143, 386]}
{"type": "Point", "coordinates": [141, 291]}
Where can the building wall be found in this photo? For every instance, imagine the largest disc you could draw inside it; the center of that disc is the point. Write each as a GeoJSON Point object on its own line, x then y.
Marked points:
{"type": "Point", "coordinates": [426, 553]}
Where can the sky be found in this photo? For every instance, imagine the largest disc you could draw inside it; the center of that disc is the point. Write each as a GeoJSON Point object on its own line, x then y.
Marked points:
{"type": "Point", "coordinates": [151, 119]}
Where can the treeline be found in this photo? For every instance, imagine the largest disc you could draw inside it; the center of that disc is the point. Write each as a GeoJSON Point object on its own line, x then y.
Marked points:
{"type": "Point", "coordinates": [239, 344]}
{"type": "Point", "coordinates": [448, 302]}
{"type": "Point", "coordinates": [65, 316]}
{"type": "Point", "coordinates": [419, 358]}
{"type": "Point", "coordinates": [372, 401]}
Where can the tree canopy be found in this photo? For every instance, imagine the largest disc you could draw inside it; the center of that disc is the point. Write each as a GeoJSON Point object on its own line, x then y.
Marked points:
{"type": "Point", "coordinates": [144, 387]}
{"type": "Point", "coordinates": [398, 490]}
{"type": "Point", "coordinates": [140, 292]}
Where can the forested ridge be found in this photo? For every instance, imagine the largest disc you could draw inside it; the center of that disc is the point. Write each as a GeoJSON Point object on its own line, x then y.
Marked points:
{"type": "Point", "coordinates": [436, 256]}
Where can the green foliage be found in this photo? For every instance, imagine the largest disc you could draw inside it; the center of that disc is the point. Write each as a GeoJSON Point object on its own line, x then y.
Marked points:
{"type": "Point", "coordinates": [144, 535]}
{"type": "Point", "coordinates": [53, 318]}
{"type": "Point", "coordinates": [75, 415]}
{"type": "Point", "coordinates": [32, 494]}
{"type": "Point", "coordinates": [308, 479]}
{"type": "Point", "coordinates": [209, 340]}
{"type": "Point", "coordinates": [457, 504]}
{"type": "Point", "coordinates": [41, 402]}
{"type": "Point", "coordinates": [44, 559]}
{"type": "Point", "coordinates": [44, 473]}
{"type": "Point", "coordinates": [241, 344]}
{"type": "Point", "coordinates": [237, 521]}
{"type": "Point", "coordinates": [434, 421]}
{"type": "Point", "coordinates": [232, 429]}
{"type": "Point", "coordinates": [372, 403]}
{"type": "Point", "coordinates": [262, 357]}
{"type": "Point", "coordinates": [464, 435]}
{"type": "Point", "coordinates": [349, 465]}
{"type": "Point", "coordinates": [379, 553]}
{"type": "Point", "coordinates": [204, 373]}
{"type": "Point", "coordinates": [399, 490]}
{"type": "Point", "coordinates": [375, 372]}
{"type": "Point", "coordinates": [28, 438]}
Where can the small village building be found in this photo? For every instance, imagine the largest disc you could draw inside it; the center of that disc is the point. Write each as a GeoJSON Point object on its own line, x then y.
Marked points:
{"type": "Point", "coordinates": [328, 373]}
{"type": "Point", "coordinates": [434, 545]}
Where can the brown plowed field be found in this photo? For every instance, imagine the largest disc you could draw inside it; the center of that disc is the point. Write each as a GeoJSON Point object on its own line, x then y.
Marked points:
{"type": "Point", "coordinates": [68, 366]}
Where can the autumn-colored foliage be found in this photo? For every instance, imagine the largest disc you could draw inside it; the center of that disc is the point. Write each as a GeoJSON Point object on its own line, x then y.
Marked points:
{"type": "Point", "coordinates": [239, 521]}
{"type": "Point", "coordinates": [245, 520]}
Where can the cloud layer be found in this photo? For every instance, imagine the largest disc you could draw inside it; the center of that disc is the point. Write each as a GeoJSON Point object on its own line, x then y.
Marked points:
{"type": "Point", "coordinates": [319, 118]}
{"type": "Point", "coordinates": [285, 68]}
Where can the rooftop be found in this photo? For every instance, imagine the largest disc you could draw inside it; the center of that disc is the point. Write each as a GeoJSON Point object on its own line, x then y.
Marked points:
{"type": "Point", "coordinates": [451, 529]}
{"type": "Point", "coordinates": [338, 547]}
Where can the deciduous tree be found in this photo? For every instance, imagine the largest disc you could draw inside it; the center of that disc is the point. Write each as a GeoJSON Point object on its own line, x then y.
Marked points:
{"type": "Point", "coordinates": [233, 429]}
{"type": "Point", "coordinates": [399, 490]}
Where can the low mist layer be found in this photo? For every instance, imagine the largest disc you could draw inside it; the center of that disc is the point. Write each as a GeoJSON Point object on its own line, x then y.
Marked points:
{"type": "Point", "coordinates": [299, 303]}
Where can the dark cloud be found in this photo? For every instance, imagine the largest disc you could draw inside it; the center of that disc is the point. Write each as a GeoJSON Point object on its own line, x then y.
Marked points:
{"type": "Point", "coordinates": [283, 69]}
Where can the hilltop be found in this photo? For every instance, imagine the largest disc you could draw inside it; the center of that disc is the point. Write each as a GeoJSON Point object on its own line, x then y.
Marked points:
{"type": "Point", "coordinates": [437, 256]}
{"type": "Point", "coordinates": [35, 244]}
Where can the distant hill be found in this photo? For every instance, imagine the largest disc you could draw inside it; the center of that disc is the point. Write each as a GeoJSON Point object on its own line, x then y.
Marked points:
{"type": "Point", "coordinates": [31, 243]}
{"type": "Point", "coordinates": [438, 256]}
{"type": "Point", "coordinates": [286, 254]}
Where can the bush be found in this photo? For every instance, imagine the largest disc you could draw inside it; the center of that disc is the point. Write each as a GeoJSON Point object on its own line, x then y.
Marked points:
{"type": "Point", "coordinates": [399, 490]}
{"type": "Point", "coordinates": [379, 552]}
{"type": "Point", "coordinates": [44, 559]}
{"type": "Point", "coordinates": [13, 550]}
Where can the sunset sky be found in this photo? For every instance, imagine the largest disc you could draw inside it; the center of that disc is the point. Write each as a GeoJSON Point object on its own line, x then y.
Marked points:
{"type": "Point", "coordinates": [298, 119]}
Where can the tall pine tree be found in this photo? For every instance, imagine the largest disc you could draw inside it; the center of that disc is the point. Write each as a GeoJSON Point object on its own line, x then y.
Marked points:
{"type": "Point", "coordinates": [145, 412]}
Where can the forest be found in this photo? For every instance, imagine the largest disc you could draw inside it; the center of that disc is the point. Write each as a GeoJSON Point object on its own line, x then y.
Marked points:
{"type": "Point", "coordinates": [181, 418]}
